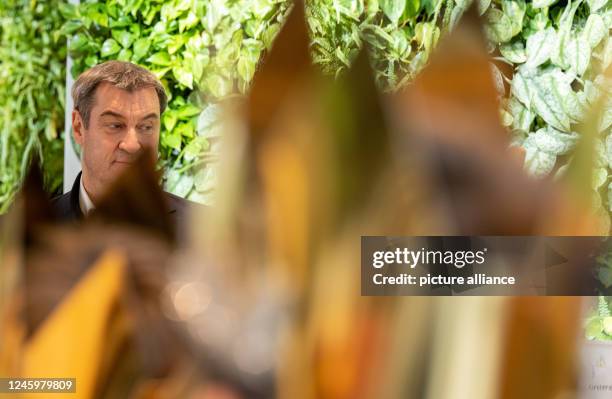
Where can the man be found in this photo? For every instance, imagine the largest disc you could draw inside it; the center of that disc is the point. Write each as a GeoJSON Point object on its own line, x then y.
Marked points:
{"type": "Point", "coordinates": [116, 119]}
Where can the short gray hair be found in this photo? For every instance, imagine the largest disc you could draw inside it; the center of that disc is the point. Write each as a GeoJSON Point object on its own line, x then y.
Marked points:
{"type": "Point", "coordinates": [121, 74]}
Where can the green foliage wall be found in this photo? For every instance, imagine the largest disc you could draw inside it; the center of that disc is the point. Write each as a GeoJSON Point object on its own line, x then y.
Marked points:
{"type": "Point", "coordinates": [32, 80]}
{"type": "Point", "coordinates": [558, 53]}
{"type": "Point", "coordinates": [400, 34]}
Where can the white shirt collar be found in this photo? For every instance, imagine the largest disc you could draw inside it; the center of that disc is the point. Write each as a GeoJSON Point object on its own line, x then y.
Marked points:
{"type": "Point", "coordinates": [84, 201]}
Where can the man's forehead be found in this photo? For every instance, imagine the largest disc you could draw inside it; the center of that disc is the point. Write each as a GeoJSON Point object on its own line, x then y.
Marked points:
{"type": "Point", "coordinates": [115, 99]}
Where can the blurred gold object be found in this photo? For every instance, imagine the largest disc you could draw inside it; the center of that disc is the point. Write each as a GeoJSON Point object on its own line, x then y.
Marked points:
{"type": "Point", "coordinates": [73, 342]}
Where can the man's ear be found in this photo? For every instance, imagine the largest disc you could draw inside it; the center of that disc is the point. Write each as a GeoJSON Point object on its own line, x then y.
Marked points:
{"type": "Point", "coordinates": [77, 127]}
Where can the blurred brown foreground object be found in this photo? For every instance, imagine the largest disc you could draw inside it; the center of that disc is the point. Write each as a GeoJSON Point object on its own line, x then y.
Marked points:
{"type": "Point", "coordinates": [448, 156]}
{"type": "Point", "coordinates": [264, 300]}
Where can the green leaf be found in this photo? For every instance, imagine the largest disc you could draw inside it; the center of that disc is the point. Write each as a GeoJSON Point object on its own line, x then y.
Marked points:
{"type": "Point", "coordinates": [160, 58]}
{"type": "Point", "coordinates": [71, 26]}
{"type": "Point", "coordinates": [125, 55]}
{"type": "Point", "coordinates": [188, 110]}
{"type": "Point", "coordinates": [401, 43]}
{"type": "Point", "coordinates": [558, 56]}
{"type": "Point", "coordinates": [179, 101]}
{"type": "Point", "coordinates": [574, 107]}
{"type": "Point", "coordinates": [498, 79]}
{"type": "Point", "coordinates": [540, 46]}
{"type": "Point", "coordinates": [217, 85]}
{"type": "Point", "coordinates": [170, 11]}
{"type": "Point", "coordinates": [51, 130]}
{"type": "Point", "coordinates": [428, 5]}
{"type": "Point", "coordinates": [92, 60]}
{"type": "Point", "coordinates": [393, 9]}
{"type": "Point", "coordinates": [189, 22]}
{"type": "Point", "coordinates": [269, 35]}
{"type": "Point", "coordinates": [543, 3]}
{"type": "Point", "coordinates": [183, 76]}
{"type": "Point", "coordinates": [112, 10]}
{"type": "Point", "coordinates": [499, 27]}
{"type": "Point", "coordinates": [109, 47]}
{"type": "Point", "coordinates": [178, 184]}
{"type": "Point", "coordinates": [121, 22]}
{"type": "Point", "coordinates": [175, 43]}
{"type": "Point", "coordinates": [514, 52]}
{"type": "Point", "coordinates": [577, 55]}
{"type": "Point", "coordinates": [124, 38]}
{"type": "Point", "coordinates": [594, 30]}
{"type": "Point", "coordinates": [261, 8]}
{"type": "Point", "coordinates": [194, 149]}
{"type": "Point", "coordinates": [78, 43]}
{"type": "Point", "coordinates": [548, 93]}
{"type": "Point", "coordinates": [594, 328]}
{"type": "Point", "coordinates": [68, 11]}
{"type": "Point", "coordinates": [172, 140]}
{"type": "Point", "coordinates": [456, 14]}
{"type": "Point", "coordinates": [538, 22]}
{"type": "Point", "coordinates": [515, 10]}
{"type": "Point", "coordinates": [97, 13]}
{"type": "Point", "coordinates": [215, 10]}
{"type": "Point", "coordinates": [169, 119]}
{"type": "Point", "coordinates": [607, 17]}
{"type": "Point", "coordinates": [555, 142]}
{"type": "Point", "coordinates": [141, 47]}
{"type": "Point", "coordinates": [522, 117]}
{"type": "Point", "coordinates": [538, 163]}
{"type": "Point", "coordinates": [209, 120]}
{"type": "Point", "coordinates": [160, 73]}
{"type": "Point", "coordinates": [426, 34]}
{"type": "Point", "coordinates": [411, 9]}
{"type": "Point", "coordinates": [198, 64]}
{"type": "Point", "coordinates": [595, 5]}
{"type": "Point", "coordinates": [150, 16]}
{"type": "Point", "coordinates": [184, 129]}
{"type": "Point", "coordinates": [246, 68]}
{"type": "Point", "coordinates": [521, 86]}
{"type": "Point", "coordinates": [483, 6]}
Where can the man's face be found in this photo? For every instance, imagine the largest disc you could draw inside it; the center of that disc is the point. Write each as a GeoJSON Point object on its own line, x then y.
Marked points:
{"type": "Point", "coordinates": [122, 125]}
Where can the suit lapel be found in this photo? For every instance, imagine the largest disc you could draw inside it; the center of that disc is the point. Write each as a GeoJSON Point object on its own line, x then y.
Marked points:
{"type": "Point", "coordinates": [75, 207]}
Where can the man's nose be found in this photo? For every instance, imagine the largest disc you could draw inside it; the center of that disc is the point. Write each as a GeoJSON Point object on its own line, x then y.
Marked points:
{"type": "Point", "coordinates": [130, 142]}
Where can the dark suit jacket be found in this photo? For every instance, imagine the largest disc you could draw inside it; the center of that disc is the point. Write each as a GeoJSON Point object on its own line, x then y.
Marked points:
{"type": "Point", "coordinates": [67, 207]}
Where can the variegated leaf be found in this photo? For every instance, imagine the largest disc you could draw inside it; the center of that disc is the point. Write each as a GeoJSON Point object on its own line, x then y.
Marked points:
{"type": "Point", "coordinates": [514, 52]}
{"type": "Point", "coordinates": [555, 142]}
{"type": "Point", "coordinates": [539, 47]}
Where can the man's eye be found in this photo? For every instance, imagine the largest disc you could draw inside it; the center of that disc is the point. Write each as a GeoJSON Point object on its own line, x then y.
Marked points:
{"type": "Point", "coordinates": [147, 128]}
{"type": "Point", "coordinates": [114, 125]}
